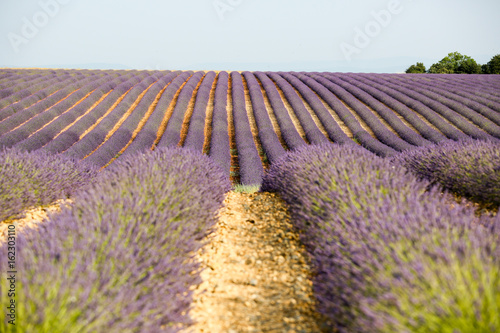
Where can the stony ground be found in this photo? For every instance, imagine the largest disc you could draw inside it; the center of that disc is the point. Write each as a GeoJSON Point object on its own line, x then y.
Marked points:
{"type": "Point", "coordinates": [256, 276]}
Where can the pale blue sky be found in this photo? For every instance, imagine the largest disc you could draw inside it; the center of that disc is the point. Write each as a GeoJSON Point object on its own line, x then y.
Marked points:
{"type": "Point", "coordinates": [299, 35]}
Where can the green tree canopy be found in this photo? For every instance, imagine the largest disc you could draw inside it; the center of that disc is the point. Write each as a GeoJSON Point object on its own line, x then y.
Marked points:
{"type": "Point", "coordinates": [455, 63]}
{"type": "Point", "coordinates": [418, 68]}
{"type": "Point", "coordinates": [493, 66]}
{"type": "Point", "coordinates": [469, 66]}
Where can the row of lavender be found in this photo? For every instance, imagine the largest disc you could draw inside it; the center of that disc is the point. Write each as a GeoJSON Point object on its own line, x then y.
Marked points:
{"type": "Point", "coordinates": [120, 257]}
{"type": "Point", "coordinates": [390, 251]}
{"type": "Point", "coordinates": [100, 115]}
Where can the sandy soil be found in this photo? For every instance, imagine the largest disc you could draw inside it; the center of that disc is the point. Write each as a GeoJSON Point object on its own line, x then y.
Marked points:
{"type": "Point", "coordinates": [256, 276]}
{"type": "Point", "coordinates": [31, 219]}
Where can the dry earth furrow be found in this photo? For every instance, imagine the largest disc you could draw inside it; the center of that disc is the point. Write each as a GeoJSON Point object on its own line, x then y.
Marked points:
{"type": "Point", "coordinates": [168, 113]}
{"type": "Point", "coordinates": [209, 117]}
{"type": "Point", "coordinates": [67, 110]}
{"type": "Point", "coordinates": [272, 116]}
{"type": "Point", "coordinates": [336, 117]}
{"type": "Point", "coordinates": [313, 114]}
{"type": "Point", "coordinates": [256, 276]}
{"type": "Point", "coordinates": [83, 115]}
{"type": "Point", "coordinates": [363, 124]}
{"type": "Point", "coordinates": [292, 114]}
{"type": "Point", "coordinates": [189, 113]}
{"type": "Point", "coordinates": [234, 174]}
{"type": "Point", "coordinates": [98, 121]}
{"type": "Point", "coordinates": [124, 117]}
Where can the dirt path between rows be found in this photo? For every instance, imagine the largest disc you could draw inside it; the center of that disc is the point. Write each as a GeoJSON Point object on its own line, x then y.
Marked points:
{"type": "Point", "coordinates": [256, 276]}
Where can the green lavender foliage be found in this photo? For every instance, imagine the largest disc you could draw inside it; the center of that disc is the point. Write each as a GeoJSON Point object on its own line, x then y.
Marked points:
{"type": "Point", "coordinates": [121, 257]}
{"type": "Point", "coordinates": [37, 178]}
{"type": "Point", "coordinates": [389, 252]}
{"type": "Point", "coordinates": [469, 168]}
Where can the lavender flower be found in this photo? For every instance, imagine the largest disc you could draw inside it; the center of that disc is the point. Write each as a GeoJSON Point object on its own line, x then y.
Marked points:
{"type": "Point", "coordinates": [378, 236]}
{"type": "Point", "coordinates": [470, 168]}
{"type": "Point", "coordinates": [120, 259]}
{"type": "Point", "coordinates": [37, 178]}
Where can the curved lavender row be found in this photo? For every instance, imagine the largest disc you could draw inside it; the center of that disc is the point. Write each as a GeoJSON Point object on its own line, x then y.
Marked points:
{"type": "Point", "coordinates": [116, 142]}
{"type": "Point", "coordinates": [345, 115]}
{"type": "Point", "coordinates": [195, 137]}
{"type": "Point", "coordinates": [35, 179]}
{"type": "Point", "coordinates": [8, 83]}
{"type": "Point", "coordinates": [372, 231]}
{"type": "Point", "coordinates": [450, 115]}
{"type": "Point", "coordinates": [384, 112]}
{"type": "Point", "coordinates": [479, 81]}
{"type": "Point", "coordinates": [380, 130]}
{"type": "Point", "coordinates": [119, 248]}
{"type": "Point", "coordinates": [425, 130]}
{"type": "Point", "coordinates": [40, 138]}
{"type": "Point", "coordinates": [33, 89]}
{"type": "Point", "coordinates": [313, 134]}
{"type": "Point", "coordinates": [147, 136]}
{"type": "Point", "coordinates": [59, 83]}
{"type": "Point", "coordinates": [24, 89]}
{"type": "Point", "coordinates": [6, 77]}
{"type": "Point", "coordinates": [67, 138]}
{"type": "Point", "coordinates": [470, 169]}
{"type": "Point", "coordinates": [334, 131]}
{"type": "Point", "coordinates": [219, 142]}
{"type": "Point", "coordinates": [41, 118]}
{"type": "Point", "coordinates": [268, 137]}
{"type": "Point", "coordinates": [475, 95]}
{"type": "Point", "coordinates": [485, 119]}
{"type": "Point", "coordinates": [251, 169]}
{"type": "Point", "coordinates": [455, 100]}
{"type": "Point", "coordinates": [34, 105]}
{"type": "Point", "coordinates": [470, 89]}
{"type": "Point", "coordinates": [289, 133]}
{"type": "Point", "coordinates": [13, 79]}
{"type": "Point", "coordinates": [97, 135]}
{"type": "Point", "coordinates": [172, 135]}
{"type": "Point", "coordinates": [38, 97]}
{"type": "Point", "coordinates": [432, 116]}
{"type": "Point", "coordinates": [60, 88]}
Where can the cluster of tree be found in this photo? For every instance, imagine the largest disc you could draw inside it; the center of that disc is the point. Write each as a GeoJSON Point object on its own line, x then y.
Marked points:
{"type": "Point", "coordinates": [456, 63]}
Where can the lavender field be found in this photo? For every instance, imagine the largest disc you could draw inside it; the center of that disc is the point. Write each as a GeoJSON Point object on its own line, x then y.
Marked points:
{"type": "Point", "coordinates": [392, 182]}
{"type": "Point", "coordinates": [244, 121]}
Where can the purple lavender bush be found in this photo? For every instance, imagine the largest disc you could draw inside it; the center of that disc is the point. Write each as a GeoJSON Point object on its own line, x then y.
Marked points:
{"type": "Point", "coordinates": [449, 281]}
{"type": "Point", "coordinates": [470, 168]}
{"type": "Point", "coordinates": [251, 169]}
{"type": "Point", "coordinates": [120, 259]}
{"type": "Point", "coordinates": [36, 179]}
{"type": "Point", "coordinates": [219, 142]}
{"type": "Point", "coordinates": [377, 235]}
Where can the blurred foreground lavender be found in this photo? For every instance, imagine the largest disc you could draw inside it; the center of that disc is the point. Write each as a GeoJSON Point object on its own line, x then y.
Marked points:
{"type": "Point", "coordinates": [38, 178]}
{"type": "Point", "coordinates": [469, 168]}
{"type": "Point", "coordinates": [120, 259]}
